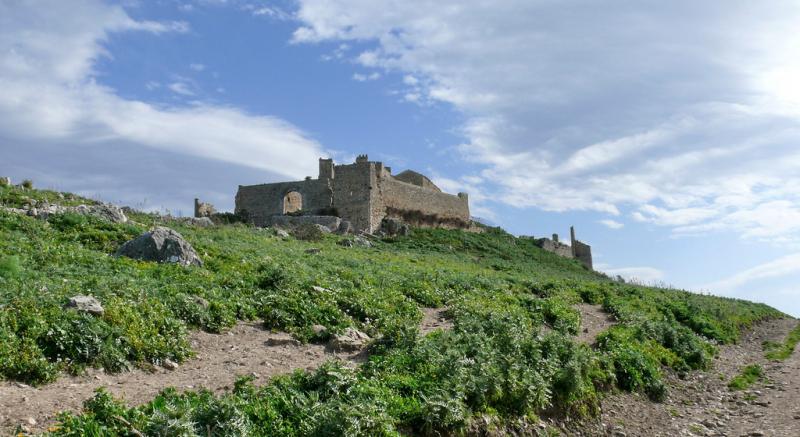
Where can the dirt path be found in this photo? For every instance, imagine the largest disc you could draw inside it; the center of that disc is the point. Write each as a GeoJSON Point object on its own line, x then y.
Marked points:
{"type": "Point", "coordinates": [593, 321]}
{"type": "Point", "coordinates": [247, 349]}
{"type": "Point", "coordinates": [702, 404]}
{"type": "Point", "coordinates": [433, 319]}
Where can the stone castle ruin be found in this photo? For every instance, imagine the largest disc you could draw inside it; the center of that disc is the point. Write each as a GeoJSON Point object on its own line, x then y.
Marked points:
{"type": "Point", "coordinates": [577, 249]}
{"type": "Point", "coordinates": [363, 193]}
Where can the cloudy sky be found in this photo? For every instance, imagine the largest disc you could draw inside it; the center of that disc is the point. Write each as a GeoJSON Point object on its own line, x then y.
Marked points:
{"type": "Point", "coordinates": [668, 133]}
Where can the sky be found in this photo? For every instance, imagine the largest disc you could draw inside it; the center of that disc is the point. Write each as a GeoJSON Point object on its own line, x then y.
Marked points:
{"type": "Point", "coordinates": [667, 133]}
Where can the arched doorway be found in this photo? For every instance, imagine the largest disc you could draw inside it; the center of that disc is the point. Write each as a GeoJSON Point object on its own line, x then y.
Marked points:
{"type": "Point", "coordinates": [292, 201]}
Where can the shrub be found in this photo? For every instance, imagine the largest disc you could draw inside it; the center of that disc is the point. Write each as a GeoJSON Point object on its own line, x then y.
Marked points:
{"type": "Point", "coordinates": [749, 375]}
{"type": "Point", "coordinates": [27, 184]}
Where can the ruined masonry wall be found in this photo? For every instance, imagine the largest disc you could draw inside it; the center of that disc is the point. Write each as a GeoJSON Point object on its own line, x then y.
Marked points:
{"type": "Point", "coordinates": [583, 252]}
{"type": "Point", "coordinates": [401, 198]}
{"type": "Point", "coordinates": [559, 249]}
{"type": "Point", "coordinates": [351, 194]}
{"type": "Point", "coordinates": [265, 200]}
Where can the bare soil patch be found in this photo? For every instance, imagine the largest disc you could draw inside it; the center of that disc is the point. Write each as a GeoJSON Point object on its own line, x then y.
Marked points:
{"type": "Point", "coordinates": [433, 319]}
{"type": "Point", "coordinates": [702, 405]}
{"type": "Point", "coordinates": [593, 321]}
{"type": "Point", "coordinates": [247, 349]}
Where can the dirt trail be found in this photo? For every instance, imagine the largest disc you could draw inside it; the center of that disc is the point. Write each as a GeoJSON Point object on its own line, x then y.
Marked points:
{"type": "Point", "coordinates": [433, 319]}
{"type": "Point", "coordinates": [702, 404]}
{"type": "Point", "coordinates": [593, 321]}
{"type": "Point", "coordinates": [246, 349]}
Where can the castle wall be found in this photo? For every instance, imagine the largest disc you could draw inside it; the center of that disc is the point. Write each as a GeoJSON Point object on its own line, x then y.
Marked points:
{"type": "Point", "coordinates": [262, 201]}
{"type": "Point", "coordinates": [418, 206]}
{"type": "Point", "coordinates": [583, 253]}
{"type": "Point", "coordinates": [559, 249]}
{"type": "Point", "coordinates": [352, 194]}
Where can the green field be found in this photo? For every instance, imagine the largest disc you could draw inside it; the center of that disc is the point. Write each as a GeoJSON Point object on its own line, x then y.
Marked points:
{"type": "Point", "coordinates": [511, 354]}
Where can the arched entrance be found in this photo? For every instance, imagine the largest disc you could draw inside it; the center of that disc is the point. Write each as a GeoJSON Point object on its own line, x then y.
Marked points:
{"type": "Point", "coordinates": [292, 201]}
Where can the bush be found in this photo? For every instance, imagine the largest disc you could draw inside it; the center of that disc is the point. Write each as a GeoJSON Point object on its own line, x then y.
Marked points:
{"type": "Point", "coordinates": [27, 184]}
{"type": "Point", "coordinates": [749, 375]}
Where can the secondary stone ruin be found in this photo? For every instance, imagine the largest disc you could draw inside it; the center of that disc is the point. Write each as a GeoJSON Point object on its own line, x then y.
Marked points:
{"type": "Point", "coordinates": [577, 249]}
{"type": "Point", "coordinates": [363, 193]}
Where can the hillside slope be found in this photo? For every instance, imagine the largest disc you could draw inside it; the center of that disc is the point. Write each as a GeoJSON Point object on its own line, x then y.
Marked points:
{"type": "Point", "coordinates": [512, 355]}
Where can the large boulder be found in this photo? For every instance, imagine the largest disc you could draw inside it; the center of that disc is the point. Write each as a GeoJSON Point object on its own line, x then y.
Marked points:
{"type": "Point", "coordinates": [393, 227]}
{"type": "Point", "coordinates": [86, 304]}
{"type": "Point", "coordinates": [161, 245]}
{"type": "Point", "coordinates": [350, 340]}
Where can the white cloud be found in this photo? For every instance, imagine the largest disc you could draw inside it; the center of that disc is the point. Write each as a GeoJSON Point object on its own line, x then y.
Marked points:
{"type": "Point", "coordinates": [366, 77]}
{"type": "Point", "coordinates": [687, 114]}
{"type": "Point", "coordinates": [197, 66]}
{"type": "Point", "coordinates": [181, 88]}
{"type": "Point", "coordinates": [783, 266]}
{"type": "Point", "coordinates": [51, 96]}
{"type": "Point", "coordinates": [612, 224]}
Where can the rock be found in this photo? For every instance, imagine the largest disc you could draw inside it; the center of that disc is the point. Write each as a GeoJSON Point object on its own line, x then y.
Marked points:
{"type": "Point", "coordinates": [345, 227]}
{"type": "Point", "coordinates": [394, 227]}
{"type": "Point", "coordinates": [313, 250]}
{"type": "Point", "coordinates": [332, 223]}
{"type": "Point", "coordinates": [86, 304]}
{"type": "Point", "coordinates": [319, 329]}
{"type": "Point", "coordinates": [30, 421]}
{"type": "Point", "coordinates": [349, 341]}
{"type": "Point", "coordinates": [169, 364]}
{"type": "Point", "coordinates": [200, 222]}
{"type": "Point", "coordinates": [282, 339]}
{"type": "Point", "coordinates": [319, 289]}
{"type": "Point", "coordinates": [281, 233]}
{"type": "Point", "coordinates": [161, 245]}
{"type": "Point", "coordinates": [200, 302]}
{"type": "Point", "coordinates": [357, 241]}
{"type": "Point", "coordinates": [102, 211]}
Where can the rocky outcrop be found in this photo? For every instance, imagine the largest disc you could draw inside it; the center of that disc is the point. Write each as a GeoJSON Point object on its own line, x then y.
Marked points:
{"type": "Point", "coordinates": [86, 304]}
{"type": "Point", "coordinates": [161, 245]}
{"type": "Point", "coordinates": [350, 340]}
{"type": "Point", "coordinates": [43, 210]}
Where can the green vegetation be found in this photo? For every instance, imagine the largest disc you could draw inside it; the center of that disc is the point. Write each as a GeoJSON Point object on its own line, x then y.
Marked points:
{"type": "Point", "coordinates": [511, 354]}
{"type": "Point", "coordinates": [775, 351]}
{"type": "Point", "coordinates": [749, 375]}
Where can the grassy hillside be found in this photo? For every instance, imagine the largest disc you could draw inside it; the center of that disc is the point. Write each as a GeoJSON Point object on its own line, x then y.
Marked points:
{"type": "Point", "coordinates": [511, 354]}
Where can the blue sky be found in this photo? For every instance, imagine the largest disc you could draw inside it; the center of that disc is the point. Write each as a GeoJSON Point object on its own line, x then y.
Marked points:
{"type": "Point", "coordinates": [668, 133]}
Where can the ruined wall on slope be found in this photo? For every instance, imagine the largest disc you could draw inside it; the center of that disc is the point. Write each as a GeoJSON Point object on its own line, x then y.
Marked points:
{"type": "Point", "coordinates": [259, 202]}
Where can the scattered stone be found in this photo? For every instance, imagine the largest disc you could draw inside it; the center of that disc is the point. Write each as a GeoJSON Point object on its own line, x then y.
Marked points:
{"type": "Point", "coordinates": [313, 250]}
{"type": "Point", "coordinates": [86, 304]}
{"type": "Point", "coordinates": [345, 227]}
{"type": "Point", "coordinates": [161, 245]}
{"type": "Point", "coordinates": [281, 233]}
{"type": "Point", "coordinates": [349, 341]}
{"type": "Point", "coordinates": [319, 329]}
{"type": "Point", "coordinates": [169, 364]}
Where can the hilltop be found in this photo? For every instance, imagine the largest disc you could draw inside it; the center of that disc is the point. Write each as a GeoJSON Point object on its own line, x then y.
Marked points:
{"type": "Point", "coordinates": [469, 332]}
